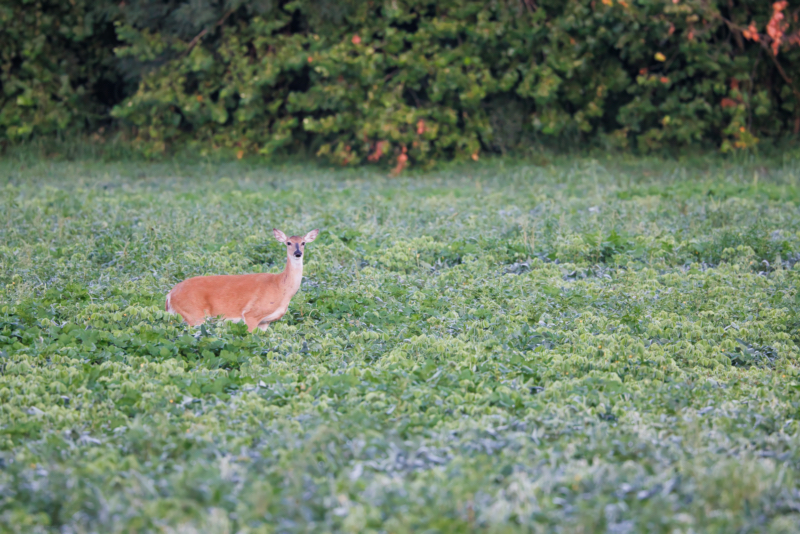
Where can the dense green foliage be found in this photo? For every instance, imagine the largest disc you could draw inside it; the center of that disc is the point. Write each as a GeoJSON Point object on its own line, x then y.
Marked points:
{"type": "Point", "coordinates": [368, 81]}
{"type": "Point", "coordinates": [577, 348]}
{"type": "Point", "coordinates": [58, 73]}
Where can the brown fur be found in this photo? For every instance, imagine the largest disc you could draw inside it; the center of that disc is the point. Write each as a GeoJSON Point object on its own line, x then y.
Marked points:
{"type": "Point", "coordinates": [256, 299]}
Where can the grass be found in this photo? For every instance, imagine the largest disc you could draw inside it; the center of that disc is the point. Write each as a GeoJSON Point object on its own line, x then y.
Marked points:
{"type": "Point", "coordinates": [579, 347]}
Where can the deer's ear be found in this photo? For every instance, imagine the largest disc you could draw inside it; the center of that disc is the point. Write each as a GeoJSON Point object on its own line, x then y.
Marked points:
{"type": "Point", "coordinates": [280, 236]}
{"type": "Point", "coordinates": [311, 236]}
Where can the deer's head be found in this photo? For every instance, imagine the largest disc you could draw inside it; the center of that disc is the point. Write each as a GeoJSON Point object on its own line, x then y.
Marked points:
{"type": "Point", "coordinates": [295, 245]}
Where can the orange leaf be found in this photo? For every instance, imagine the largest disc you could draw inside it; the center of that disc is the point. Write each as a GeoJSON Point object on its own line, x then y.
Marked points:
{"type": "Point", "coordinates": [310, 59]}
{"type": "Point", "coordinates": [376, 155]}
{"type": "Point", "coordinates": [664, 79]}
{"type": "Point", "coordinates": [751, 32]}
{"type": "Point", "coordinates": [420, 127]}
{"type": "Point", "coordinates": [776, 26]}
{"type": "Point", "coordinates": [474, 156]}
{"type": "Point", "coordinates": [199, 98]}
{"type": "Point", "coordinates": [671, 29]}
{"type": "Point", "coordinates": [402, 159]}
{"type": "Point", "coordinates": [356, 40]}
{"type": "Point", "coordinates": [240, 154]}
{"type": "Point", "coordinates": [728, 103]}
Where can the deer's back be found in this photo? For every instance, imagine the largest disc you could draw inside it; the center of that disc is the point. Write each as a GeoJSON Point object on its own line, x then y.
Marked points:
{"type": "Point", "coordinates": [226, 295]}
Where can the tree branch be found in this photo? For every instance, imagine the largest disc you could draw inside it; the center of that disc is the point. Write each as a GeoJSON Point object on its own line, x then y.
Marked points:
{"type": "Point", "coordinates": [765, 41]}
{"type": "Point", "coordinates": [200, 35]}
{"type": "Point", "coordinates": [790, 84]}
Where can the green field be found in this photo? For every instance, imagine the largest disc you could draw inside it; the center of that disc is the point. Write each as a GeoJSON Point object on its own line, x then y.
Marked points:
{"type": "Point", "coordinates": [584, 346]}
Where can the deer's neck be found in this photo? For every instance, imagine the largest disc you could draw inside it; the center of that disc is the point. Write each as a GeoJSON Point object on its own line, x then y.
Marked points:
{"type": "Point", "coordinates": [293, 275]}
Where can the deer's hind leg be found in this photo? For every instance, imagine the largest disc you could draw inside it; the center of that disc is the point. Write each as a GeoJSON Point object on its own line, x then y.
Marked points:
{"type": "Point", "coordinates": [252, 321]}
{"type": "Point", "coordinates": [191, 319]}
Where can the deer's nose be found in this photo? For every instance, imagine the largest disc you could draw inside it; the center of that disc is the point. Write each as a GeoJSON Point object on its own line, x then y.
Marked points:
{"type": "Point", "coordinates": [298, 254]}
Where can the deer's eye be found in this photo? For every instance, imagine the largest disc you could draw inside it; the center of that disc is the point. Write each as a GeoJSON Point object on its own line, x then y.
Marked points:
{"type": "Point", "coordinates": [288, 244]}
{"type": "Point", "coordinates": [303, 243]}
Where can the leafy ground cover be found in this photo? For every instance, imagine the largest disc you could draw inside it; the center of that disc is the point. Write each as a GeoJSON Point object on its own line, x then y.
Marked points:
{"type": "Point", "coordinates": [578, 347]}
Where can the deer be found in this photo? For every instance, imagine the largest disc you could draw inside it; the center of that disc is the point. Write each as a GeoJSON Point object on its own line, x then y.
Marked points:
{"type": "Point", "coordinates": [257, 299]}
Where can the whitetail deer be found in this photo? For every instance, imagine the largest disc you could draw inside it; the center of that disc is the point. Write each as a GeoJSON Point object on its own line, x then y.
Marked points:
{"type": "Point", "coordinates": [256, 299]}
